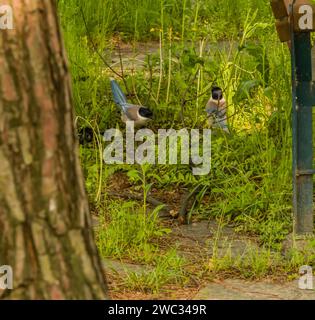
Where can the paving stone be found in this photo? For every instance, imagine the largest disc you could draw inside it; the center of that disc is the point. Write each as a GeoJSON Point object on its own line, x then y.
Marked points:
{"type": "Point", "coordinates": [234, 289]}
{"type": "Point", "coordinates": [122, 268]}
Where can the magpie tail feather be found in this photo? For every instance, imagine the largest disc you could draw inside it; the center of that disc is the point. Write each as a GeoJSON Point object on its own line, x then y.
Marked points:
{"type": "Point", "coordinates": [119, 97]}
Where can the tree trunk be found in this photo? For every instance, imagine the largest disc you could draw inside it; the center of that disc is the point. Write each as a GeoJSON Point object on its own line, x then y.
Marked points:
{"type": "Point", "coordinates": [45, 224]}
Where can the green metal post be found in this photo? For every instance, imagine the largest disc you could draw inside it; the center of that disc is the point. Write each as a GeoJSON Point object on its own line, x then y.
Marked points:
{"type": "Point", "coordinates": [302, 133]}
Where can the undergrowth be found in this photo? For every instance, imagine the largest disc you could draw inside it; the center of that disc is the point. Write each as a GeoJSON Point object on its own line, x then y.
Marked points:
{"type": "Point", "coordinates": [229, 43]}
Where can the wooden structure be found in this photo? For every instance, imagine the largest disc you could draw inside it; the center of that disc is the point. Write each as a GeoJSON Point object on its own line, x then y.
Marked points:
{"type": "Point", "coordinates": [294, 24]}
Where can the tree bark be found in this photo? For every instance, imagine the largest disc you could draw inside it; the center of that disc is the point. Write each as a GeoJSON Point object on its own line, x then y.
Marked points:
{"type": "Point", "coordinates": [45, 224]}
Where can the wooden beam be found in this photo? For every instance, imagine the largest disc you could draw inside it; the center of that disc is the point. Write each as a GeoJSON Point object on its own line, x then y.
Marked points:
{"type": "Point", "coordinates": [283, 29]}
{"type": "Point", "coordinates": [280, 9]}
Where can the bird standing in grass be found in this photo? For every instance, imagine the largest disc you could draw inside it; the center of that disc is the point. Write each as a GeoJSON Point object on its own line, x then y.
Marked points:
{"type": "Point", "coordinates": [129, 112]}
{"type": "Point", "coordinates": [216, 110]}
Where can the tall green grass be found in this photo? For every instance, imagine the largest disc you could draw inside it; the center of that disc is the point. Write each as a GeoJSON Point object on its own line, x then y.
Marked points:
{"type": "Point", "coordinates": [134, 19]}
{"type": "Point", "coordinates": [250, 176]}
{"type": "Point", "coordinates": [198, 43]}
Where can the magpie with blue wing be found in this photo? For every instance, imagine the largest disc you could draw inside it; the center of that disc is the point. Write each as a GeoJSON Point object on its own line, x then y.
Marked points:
{"type": "Point", "coordinates": [129, 112]}
{"type": "Point", "coordinates": [216, 110]}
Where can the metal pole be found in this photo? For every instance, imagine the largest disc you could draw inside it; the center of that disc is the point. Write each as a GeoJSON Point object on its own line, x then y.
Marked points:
{"type": "Point", "coordinates": [302, 134]}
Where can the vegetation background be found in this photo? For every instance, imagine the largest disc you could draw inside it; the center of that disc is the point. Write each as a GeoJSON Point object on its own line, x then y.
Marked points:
{"type": "Point", "coordinates": [167, 54]}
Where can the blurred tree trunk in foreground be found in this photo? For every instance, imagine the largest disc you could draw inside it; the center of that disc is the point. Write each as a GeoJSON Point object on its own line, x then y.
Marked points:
{"type": "Point", "coordinates": [45, 225]}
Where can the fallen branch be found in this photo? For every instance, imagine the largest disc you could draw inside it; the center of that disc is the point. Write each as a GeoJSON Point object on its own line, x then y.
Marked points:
{"type": "Point", "coordinates": [182, 215]}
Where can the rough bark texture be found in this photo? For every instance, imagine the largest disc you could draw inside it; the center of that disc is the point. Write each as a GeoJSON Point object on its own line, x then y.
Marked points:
{"type": "Point", "coordinates": [45, 225]}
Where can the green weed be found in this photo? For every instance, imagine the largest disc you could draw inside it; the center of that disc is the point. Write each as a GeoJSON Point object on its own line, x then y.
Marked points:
{"type": "Point", "coordinates": [197, 43]}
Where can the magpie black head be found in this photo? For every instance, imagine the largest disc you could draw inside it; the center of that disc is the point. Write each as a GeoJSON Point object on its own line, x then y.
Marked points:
{"type": "Point", "coordinates": [146, 113]}
{"type": "Point", "coordinates": [216, 93]}
{"type": "Point", "coordinates": [85, 135]}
